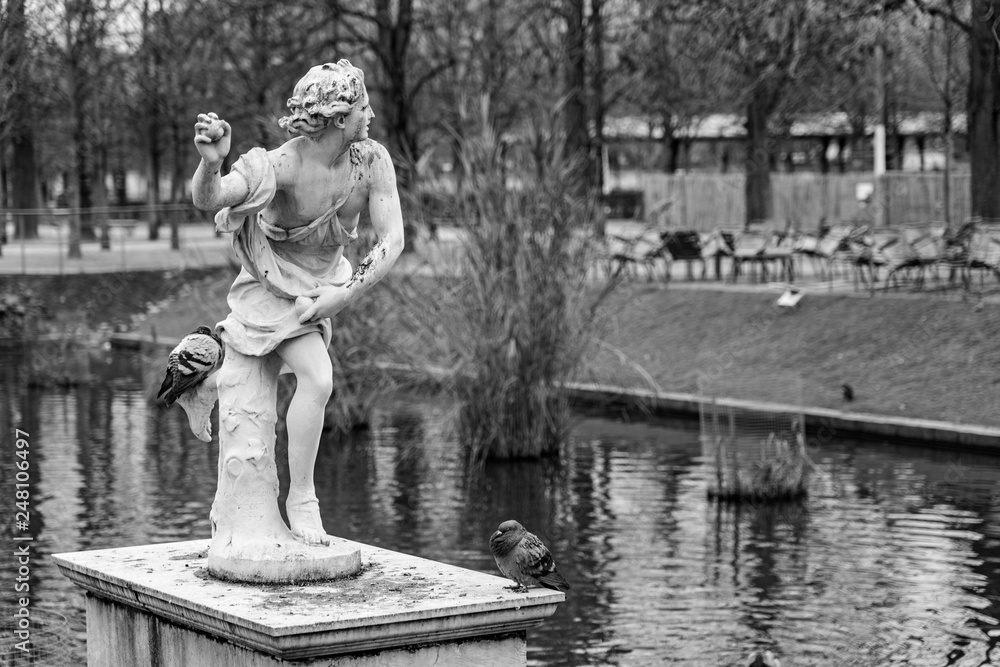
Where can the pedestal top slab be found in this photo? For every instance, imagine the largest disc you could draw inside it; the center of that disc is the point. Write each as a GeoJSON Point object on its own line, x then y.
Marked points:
{"type": "Point", "coordinates": [396, 600]}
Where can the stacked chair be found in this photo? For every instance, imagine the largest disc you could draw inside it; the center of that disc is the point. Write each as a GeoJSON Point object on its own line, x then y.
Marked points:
{"type": "Point", "coordinates": [982, 253]}
{"type": "Point", "coordinates": [929, 247]}
{"type": "Point", "coordinates": [875, 257]}
{"type": "Point", "coordinates": [628, 256]}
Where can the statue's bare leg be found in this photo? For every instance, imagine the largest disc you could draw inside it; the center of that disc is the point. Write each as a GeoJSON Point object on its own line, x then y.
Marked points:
{"type": "Point", "coordinates": [307, 357]}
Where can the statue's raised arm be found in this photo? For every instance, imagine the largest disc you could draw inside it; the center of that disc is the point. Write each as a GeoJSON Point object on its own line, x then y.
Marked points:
{"type": "Point", "coordinates": [213, 138]}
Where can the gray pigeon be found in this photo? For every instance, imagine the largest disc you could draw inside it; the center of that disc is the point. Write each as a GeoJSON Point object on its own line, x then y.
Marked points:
{"type": "Point", "coordinates": [197, 356]}
{"type": "Point", "coordinates": [523, 558]}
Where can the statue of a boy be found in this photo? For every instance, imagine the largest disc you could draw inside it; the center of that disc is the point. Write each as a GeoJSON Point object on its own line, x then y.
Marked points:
{"type": "Point", "coordinates": [291, 211]}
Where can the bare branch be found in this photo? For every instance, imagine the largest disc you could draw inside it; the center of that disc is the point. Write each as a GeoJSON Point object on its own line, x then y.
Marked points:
{"type": "Point", "coordinates": [949, 15]}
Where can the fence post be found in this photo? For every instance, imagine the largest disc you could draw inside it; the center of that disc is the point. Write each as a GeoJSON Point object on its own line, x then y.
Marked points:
{"type": "Point", "coordinates": [19, 221]}
{"type": "Point", "coordinates": [59, 245]}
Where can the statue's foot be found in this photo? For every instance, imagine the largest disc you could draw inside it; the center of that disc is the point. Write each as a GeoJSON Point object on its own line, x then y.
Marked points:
{"type": "Point", "coordinates": [304, 519]}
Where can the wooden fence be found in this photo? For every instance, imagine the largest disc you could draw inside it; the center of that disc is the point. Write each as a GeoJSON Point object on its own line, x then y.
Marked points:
{"type": "Point", "coordinates": [709, 201]}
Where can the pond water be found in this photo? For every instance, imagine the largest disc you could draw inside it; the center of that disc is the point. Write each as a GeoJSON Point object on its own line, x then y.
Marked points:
{"type": "Point", "coordinates": [894, 558]}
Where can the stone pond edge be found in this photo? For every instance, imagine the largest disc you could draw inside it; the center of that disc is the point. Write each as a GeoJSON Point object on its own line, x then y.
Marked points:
{"type": "Point", "coordinates": [823, 424]}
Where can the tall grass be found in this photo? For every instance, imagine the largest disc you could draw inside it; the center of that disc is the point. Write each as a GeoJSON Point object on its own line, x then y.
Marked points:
{"type": "Point", "coordinates": [523, 309]}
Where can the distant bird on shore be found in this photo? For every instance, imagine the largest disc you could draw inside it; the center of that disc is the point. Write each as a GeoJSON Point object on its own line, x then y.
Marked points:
{"type": "Point", "coordinates": [763, 659]}
{"type": "Point", "coordinates": [523, 558]}
{"type": "Point", "coordinates": [848, 392]}
{"type": "Point", "coordinates": [197, 356]}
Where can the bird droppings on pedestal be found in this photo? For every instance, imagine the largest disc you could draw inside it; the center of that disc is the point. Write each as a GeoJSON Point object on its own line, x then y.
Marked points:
{"type": "Point", "coordinates": [391, 587]}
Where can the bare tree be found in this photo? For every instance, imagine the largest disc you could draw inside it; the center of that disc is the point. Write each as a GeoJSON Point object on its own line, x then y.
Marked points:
{"type": "Point", "coordinates": [15, 117]}
{"type": "Point", "coordinates": [84, 28]}
{"type": "Point", "coordinates": [393, 34]}
{"type": "Point", "coordinates": [575, 113]}
{"type": "Point", "coordinates": [669, 74]}
{"type": "Point", "coordinates": [979, 20]}
{"type": "Point", "coordinates": [774, 47]}
{"type": "Point", "coordinates": [935, 44]}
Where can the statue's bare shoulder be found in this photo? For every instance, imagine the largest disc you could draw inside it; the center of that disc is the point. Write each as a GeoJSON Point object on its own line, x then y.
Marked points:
{"type": "Point", "coordinates": [286, 160]}
{"type": "Point", "coordinates": [370, 158]}
{"type": "Point", "coordinates": [372, 165]}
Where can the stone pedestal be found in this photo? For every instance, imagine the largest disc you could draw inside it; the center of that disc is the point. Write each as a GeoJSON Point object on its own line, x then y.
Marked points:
{"type": "Point", "coordinates": [157, 605]}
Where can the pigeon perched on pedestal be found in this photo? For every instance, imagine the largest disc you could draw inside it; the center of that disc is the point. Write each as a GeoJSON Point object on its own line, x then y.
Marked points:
{"type": "Point", "coordinates": [523, 558]}
{"type": "Point", "coordinates": [190, 381]}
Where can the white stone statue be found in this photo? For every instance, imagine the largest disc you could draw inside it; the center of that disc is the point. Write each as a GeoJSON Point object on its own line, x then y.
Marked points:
{"type": "Point", "coordinates": [291, 211]}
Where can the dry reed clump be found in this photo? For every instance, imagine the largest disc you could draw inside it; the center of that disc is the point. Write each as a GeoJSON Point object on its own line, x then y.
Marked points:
{"type": "Point", "coordinates": [777, 469]}
{"type": "Point", "coordinates": [359, 382]}
{"type": "Point", "coordinates": [523, 311]}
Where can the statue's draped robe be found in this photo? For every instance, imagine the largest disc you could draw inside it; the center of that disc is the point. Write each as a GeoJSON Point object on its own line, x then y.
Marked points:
{"type": "Point", "coordinates": [278, 264]}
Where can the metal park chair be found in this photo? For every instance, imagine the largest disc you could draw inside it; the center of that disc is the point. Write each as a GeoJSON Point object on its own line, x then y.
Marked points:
{"type": "Point", "coordinates": [685, 246]}
{"type": "Point", "coordinates": [716, 245]}
{"type": "Point", "coordinates": [983, 253]}
{"type": "Point", "coordinates": [824, 250]}
{"type": "Point", "coordinates": [929, 247]}
{"type": "Point", "coordinates": [889, 250]}
{"type": "Point", "coordinates": [627, 256]}
{"type": "Point", "coordinates": [763, 248]}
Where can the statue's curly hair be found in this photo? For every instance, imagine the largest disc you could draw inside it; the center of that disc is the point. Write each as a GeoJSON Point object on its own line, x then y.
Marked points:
{"type": "Point", "coordinates": [325, 91]}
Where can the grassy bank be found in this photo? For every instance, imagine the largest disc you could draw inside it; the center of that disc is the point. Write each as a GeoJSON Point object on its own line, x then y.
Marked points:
{"type": "Point", "coordinates": [925, 357]}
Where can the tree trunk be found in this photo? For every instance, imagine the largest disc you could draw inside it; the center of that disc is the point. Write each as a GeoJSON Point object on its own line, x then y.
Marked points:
{"type": "Point", "coordinates": [260, 20]}
{"type": "Point", "coordinates": [120, 188]}
{"type": "Point", "coordinates": [394, 43]}
{"type": "Point", "coordinates": [4, 197]}
{"type": "Point", "coordinates": [577, 137]}
{"type": "Point", "coordinates": [24, 182]}
{"type": "Point", "coordinates": [99, 194]}
{"type": "Point", "coordinates": [671, 150]}
{"type": "Point", "coordinates": [758, 157]}
{"type": "Point", "coordinates": [824, 161]}
{"type": "Point", "coordinates": [949, 148]}
{"type": "Point", "coordinates": [597, 78]}
{"type": "Point", "coordinates": [177, 184]}
{"type": "Point", "coordinates": [75, 250]}
{"type": "Point", "coordinates": [153, 149]}
{"type": "Point", "coordinates": [984, 137]}
{"type": "Point", "coordinates": [80, 54]}
{"type": "Point", "coordinates": [84, 182]}
{"type": "Point", "coordinates": [153, 160]}
{"type": "Point", "coordinates": [75, 112]}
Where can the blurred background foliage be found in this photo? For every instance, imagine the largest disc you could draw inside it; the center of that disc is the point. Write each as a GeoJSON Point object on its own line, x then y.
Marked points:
{"type": "Point", "coordinates": [94, 90]}
{"type": "Point", "coordinates": [496, 115]}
